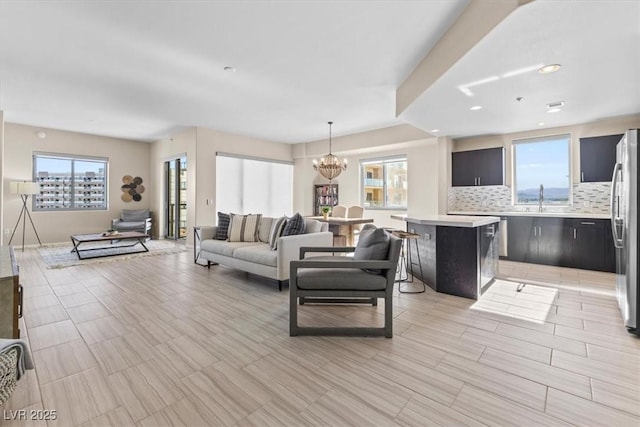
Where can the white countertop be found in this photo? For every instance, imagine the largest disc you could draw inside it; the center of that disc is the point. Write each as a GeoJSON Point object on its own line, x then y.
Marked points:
{"type": "Point", "coordinates": [547, 214]}
{"type": "Point", "coordinates": [450, 220]}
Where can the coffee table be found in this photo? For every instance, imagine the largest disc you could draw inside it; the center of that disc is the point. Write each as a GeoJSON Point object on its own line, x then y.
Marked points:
{"type": "Point", "coordinates": [135, 236]}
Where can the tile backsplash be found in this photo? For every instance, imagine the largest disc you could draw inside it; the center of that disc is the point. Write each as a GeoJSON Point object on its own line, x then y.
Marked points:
{"type": "Point", "coordinates": [588, 197]}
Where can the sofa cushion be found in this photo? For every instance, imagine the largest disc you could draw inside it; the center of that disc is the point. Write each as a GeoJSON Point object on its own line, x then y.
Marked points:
{"type": "Point", "coordinates": [134, 214]}
{"type": "Point", "coordinates": [276, 231]}
{"type": "Point", "coordinates": [222, 247]}
{"type": "Point", "coordinates": [338, 278]}
{"type": "Point", "coordinates": [130, 225]}
{"type": "Point", "coordinates": [223, 226]}
{"type": "Point", "coordinates": [264, 229]}
{"type": "Point", "coordinates": [295, 225]}
{"type": "Point", "coordinates": [244, 228]}
{"type": "Point", "coordinates": [257, 254]}
{"type": "Point", "coordinates": [373, 244]}
{"type": "Point", "coordinates": [312, 226]}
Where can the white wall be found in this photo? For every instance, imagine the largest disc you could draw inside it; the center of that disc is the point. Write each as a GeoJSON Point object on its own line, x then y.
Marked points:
{"type": "Point", "coordinates": [597, 128]}
{"type": "Point", "coordinates": [2, 239]}
{"type": "Point", "coordinates": [125, 158]}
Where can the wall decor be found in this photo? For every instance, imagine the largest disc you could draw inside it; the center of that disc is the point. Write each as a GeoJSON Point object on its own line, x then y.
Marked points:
{"type": "Point", "coordinates": [132, 189]}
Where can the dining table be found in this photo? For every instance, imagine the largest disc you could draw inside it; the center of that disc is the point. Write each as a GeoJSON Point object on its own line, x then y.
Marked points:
{"type": "Point", "coordinates": [342, 227]}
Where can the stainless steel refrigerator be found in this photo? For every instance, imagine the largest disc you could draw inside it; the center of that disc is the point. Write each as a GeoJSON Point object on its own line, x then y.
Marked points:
{"type": "Point", "coordinates": [624, 225]}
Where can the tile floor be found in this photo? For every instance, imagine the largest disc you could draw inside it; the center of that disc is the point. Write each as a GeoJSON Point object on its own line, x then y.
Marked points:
{"type": "Point", "coordinates": [161, 341]}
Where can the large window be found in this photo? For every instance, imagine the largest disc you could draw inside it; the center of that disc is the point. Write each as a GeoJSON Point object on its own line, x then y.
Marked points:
{"type": "Point", "coordinates": [247, 185]}
{"type": "Point", "coordinates": [541, 166]}
{"type": "Point", "coordinates": [70, 182]}
{"type": "Point", "coordinates": [384, 183]}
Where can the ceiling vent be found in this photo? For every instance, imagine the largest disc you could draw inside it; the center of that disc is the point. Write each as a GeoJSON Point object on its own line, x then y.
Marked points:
{"type": "Point", "coordinates": [558, 104]}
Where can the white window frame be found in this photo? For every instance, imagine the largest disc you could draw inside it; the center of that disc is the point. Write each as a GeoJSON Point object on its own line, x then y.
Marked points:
{"type": "Point", "coordinates": [37, 201]}
{"type": "Point", "coordinates": [533, 140]}
{"type": "Point", "coordinates": [384, 161]}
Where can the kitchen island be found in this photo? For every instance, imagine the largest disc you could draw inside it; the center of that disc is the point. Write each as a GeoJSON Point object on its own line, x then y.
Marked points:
{"type": "Point", "coordinates": [459, 254]}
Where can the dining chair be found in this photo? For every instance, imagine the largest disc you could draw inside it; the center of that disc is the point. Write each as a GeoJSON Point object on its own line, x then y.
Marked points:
{"type": "Point", "coordinates": [339, 211]}
{"type": "Point", "coordinates": [355, 211]}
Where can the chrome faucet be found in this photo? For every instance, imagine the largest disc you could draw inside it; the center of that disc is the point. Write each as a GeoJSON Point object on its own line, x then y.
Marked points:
{"type": "Point", "coordinates": [540, 198]}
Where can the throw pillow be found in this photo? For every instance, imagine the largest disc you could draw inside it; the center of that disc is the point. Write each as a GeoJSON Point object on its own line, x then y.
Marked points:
{"type": "Point", "coordinates": [373, 244]}
{"type": "Point", "coordinates": [244, 228]}
{"type": "Point", "coordinates": [295, 225]}
{"type": "Point", "coordinates": [265, 228]}
{"type": "Point", "coordinates": [223, 226]}
{"type": "Point", "coordinates": [276, 231]}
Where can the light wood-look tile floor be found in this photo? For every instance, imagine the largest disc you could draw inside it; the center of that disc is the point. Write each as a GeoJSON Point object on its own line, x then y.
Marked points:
{"type": "Point", "coordinates": [161, 341]}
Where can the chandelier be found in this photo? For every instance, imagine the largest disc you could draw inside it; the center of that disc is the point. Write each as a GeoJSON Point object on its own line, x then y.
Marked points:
{"type": "Point", "coordinates": [330, 166]}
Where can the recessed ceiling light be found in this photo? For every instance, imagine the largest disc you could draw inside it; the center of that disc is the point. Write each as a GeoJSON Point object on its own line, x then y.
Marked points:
{"type": "Point", "coordinates": [541, 124]}
{"type": "Point", "coordinates": [230, 69]}
{"type": "Point", "coordinates": [435, 130]}
{"type": "Point", "coordinates": [547, 69]}
{"type": "Point", "coordinates": [554, 110]}
{"type": "Point", "coordinates": [476, 107]}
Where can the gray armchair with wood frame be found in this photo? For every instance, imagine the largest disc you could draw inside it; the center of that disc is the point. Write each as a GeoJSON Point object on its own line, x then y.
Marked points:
{"type": "Point", "coordinates": [133, 220]}
{"type": "Point", "coordinates": [363, 278]}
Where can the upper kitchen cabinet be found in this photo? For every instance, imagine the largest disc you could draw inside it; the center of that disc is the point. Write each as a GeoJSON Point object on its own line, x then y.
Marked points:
{"type": "Point", "coordinates": [597, 157]}
{"type": "Point", "coordinates": [477, 167]}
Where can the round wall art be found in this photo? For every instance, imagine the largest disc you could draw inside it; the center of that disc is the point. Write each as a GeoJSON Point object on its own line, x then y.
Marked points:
{"type": "Point", "coordinates": [132, 188]}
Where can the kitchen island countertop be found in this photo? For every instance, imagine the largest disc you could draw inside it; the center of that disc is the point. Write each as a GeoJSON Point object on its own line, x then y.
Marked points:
{"type": "Point", "coordinates": [468, 221]}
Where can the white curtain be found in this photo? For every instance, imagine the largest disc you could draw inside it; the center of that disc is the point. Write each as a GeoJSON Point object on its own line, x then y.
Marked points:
{"type": "Point", "coordinates": [249, 185]}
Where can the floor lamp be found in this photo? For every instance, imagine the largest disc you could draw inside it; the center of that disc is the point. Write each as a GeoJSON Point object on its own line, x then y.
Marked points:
{"type": "Point", "coordinates": [24, 189]}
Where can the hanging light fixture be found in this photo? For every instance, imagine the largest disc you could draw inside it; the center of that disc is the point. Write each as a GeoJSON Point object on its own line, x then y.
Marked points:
{"type": "Point", "coordinates": [330, 166]}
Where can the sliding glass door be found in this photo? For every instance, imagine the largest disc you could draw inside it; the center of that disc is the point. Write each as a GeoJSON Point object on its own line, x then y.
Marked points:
{"type": "Point", "coordinates": [175, 198]}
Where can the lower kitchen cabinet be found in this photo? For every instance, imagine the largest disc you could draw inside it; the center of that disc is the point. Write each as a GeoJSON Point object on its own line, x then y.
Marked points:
{"type": "Point", "coordinates": [538, 240]}
{"type": "Point", "coordinates": [564, 242]}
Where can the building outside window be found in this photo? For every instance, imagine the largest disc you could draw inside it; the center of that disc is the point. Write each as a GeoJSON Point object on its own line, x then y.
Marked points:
{"type": "Point", "coordinates": [70, 182]}
{"type": "Point", "coordinates": [384, 183]}
{"type": "Point", "coordinates": [542, 166]}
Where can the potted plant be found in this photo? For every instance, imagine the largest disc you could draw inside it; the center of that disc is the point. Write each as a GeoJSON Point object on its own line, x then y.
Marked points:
{"type": "Point", "coordinates": [325, 211]}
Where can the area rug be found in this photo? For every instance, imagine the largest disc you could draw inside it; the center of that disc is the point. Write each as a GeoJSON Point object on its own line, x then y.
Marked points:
{"type": "Point", "coordinates": [60, 255]}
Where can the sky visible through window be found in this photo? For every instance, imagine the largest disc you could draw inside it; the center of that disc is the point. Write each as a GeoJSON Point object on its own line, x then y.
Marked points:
{"type": "Point", "coordinates": [542, 162]}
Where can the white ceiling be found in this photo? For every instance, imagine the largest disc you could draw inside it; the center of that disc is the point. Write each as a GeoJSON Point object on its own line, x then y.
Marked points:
{"type": "Point", "coordinates": [143, 70]}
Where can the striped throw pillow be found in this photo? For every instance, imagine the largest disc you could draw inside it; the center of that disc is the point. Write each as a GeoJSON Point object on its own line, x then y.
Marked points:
{"type": "Point", "coordinates": [244, 228]}
{"type": "Point", "coordinates": [276, 231]}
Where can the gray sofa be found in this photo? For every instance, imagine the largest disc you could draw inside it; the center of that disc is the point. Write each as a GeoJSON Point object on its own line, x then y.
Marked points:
{"type": "Point", "coordinates": [257, 257]}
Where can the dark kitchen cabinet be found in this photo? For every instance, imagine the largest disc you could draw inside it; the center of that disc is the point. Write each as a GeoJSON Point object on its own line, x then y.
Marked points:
{"type": "Point", "coordinates": [597, 157]}
{"type": "Point", "coordinates": [539, 240]}
{"type": "Point", "coordinates": [477, 167]}
{"type": "Point", "coordinates": [588, 244]}
{"type": "Point", "coordinates": [577, 243]}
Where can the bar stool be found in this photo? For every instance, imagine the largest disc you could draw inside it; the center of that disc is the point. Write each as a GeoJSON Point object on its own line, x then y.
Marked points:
{"type": "Point", "coordinates": [406, 261]}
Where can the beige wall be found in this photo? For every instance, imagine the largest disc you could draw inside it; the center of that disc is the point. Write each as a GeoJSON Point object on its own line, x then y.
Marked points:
{"type": "Point", "coordinates": [200, 146]}
{"type": "Point", "coordinates": [125, 158]}
{"type": "Point", "coordinates": [422, 153]}
{"type": "Point", "coordinates": [2, 238]}
{"type": "Point", "coordinates": [597, 128]}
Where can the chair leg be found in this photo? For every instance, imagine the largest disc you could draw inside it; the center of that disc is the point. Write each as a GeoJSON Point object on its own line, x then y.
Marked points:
{"type": "Point", "coordinates": [388, 316]}
{"type": "Point", "coordinates": [374, 301]}
{"type": "Point", "coordinates": [280, 285]}
{"type": "Point", "coordinates": [293, 312]}
{"type": "Point", "coordinates": [209, 265]}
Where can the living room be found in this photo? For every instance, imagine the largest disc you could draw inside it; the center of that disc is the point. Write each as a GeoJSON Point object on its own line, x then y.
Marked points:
{"type": "Point", "coordinates": [161, 340]}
